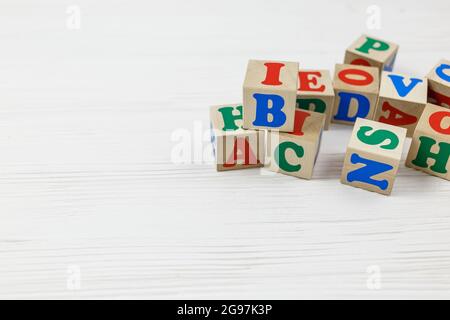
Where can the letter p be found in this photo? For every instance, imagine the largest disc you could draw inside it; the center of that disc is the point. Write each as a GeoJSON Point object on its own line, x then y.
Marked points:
{"type": "Point", "coordinates": [372, 44]}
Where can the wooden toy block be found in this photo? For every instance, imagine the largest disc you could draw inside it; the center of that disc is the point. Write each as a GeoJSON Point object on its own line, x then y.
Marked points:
{"type": "Point", "coordinates": [315, 92]}
{"type": "Point", "coordinates": [373, 156]}
{"type": "Point", "coordinates": [372, 52]}
{"type": "Point", "coordinates": [439, 84]}
{"type": "Point", "coordinates": [430, 146]}
{"type": "Point", "coordinates": [356, 93]}
{"type": "Point", "coordinates": [270, 93]}
{"type": "Point", "coordinates": [234, 147]}
{"type": "Point", "coordinates": [401, 100]}
{"type": "Point", "coordinates": [295, 153]}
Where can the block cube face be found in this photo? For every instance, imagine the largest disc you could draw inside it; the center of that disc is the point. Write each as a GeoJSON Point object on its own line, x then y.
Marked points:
{"type": "Point", "coordinates": [373, 52]}
{"type": "Point", "coordinates": [270, 92]}
{"type": "Point", "coordinates": [373, 156]}
{"type": "Point", "coordinates": [242, 150]}
{"type": "Point", "coordinates": [315, 93]}
{"type": "Point", "coordinates": [234, 147]}
{"type": "Point", "coordinates": [295, 153]}
{"type": "Point", "coordinates": [401, 100]}
{"type": "Point", "coordinates": [430, 146]}
{"type": "Point", "coordinates": [356, 93]}
{"type": "Point", "coordinates": [361, 171]}
{"type": "Point", "coordinates": [439, 84]}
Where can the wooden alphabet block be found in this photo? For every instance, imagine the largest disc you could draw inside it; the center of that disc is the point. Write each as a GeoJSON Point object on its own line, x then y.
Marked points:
{"type": "Point", "coordinates": [430, 146]}
{"type": "Point", "coordinates": [356, 93]}
{"type": "Point", "coordinates": [372, 52]}
{"type": "Point", "coordinates": [401, 101]}
{"type": "Point", "coordinates": [234, 147]}
{"type": "Point", "coordinates": [315, 93]}
{"type": "Point", "coordinates": [439, 84]}
{"type": "Point", "coordinates": [270, 93]}
{"type": "Point", "coordinates": [373, 156]}
{"type": "Point", "coordinates": [295, 153]}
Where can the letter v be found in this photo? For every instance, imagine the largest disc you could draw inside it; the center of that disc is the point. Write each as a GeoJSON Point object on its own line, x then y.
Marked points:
{"type": "Point", "coordinates": [399, 84]}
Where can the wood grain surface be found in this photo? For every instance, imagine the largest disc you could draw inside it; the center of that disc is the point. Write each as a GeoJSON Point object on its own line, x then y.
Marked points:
{"type": "Point", "coordinates": [95, 204]}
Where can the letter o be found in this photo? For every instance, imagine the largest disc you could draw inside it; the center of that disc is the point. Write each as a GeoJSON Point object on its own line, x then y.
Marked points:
{"type": "Point", "coordinates": [344, 76]}
{"type": "Point", "coordinates": [435, 121]}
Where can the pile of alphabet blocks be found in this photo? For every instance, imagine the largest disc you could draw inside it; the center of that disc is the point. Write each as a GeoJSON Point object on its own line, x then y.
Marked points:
{"type": "Point", "coordinates": [284, 111]}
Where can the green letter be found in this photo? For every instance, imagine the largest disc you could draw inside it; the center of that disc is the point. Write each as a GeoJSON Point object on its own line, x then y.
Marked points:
{"type": "Point", "coordinates": [377, 137]}
{"type": "Point", "coordinates": [372, 44]}
{"type": "Point", "coordinates": [229, 119]}
{"type": "Point", "coordinates": [424, 153]}
{"type": "Point", "coordinates": [319, 105]}
{"type": "Point", "coordinates": [280, 155]}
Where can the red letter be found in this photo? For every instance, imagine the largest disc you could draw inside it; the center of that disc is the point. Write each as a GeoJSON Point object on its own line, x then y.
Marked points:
{"type": "Point", "coordinates": [435, 121]}
{"type": "Point", "coordinates": [273, 74]}
{"type": "Point", "coordinates": [299, 121]}
{"type": "Point", "coordinates": [304, 81]}
{"type": "Point", "coordinates": [343, 75]}
{"type": "Point", "coordinates": [438, 98]}
{"type": "Point", "coordinates": [396, 117]}
{"type": "Point", "coordinates": [241, 145]}
{"type": "Point", "coordinates": [360, 62]}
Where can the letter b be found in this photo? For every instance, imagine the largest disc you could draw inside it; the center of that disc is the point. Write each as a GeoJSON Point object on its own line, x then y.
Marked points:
{"type": "Point", "coordinates": [263, 109]}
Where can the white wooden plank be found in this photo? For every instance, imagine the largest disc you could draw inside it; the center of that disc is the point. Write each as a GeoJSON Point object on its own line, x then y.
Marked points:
{"type": "Point", "coordinates": [87, 181]}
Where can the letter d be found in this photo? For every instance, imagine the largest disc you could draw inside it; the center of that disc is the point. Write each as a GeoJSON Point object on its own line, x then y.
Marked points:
{"type": "Point", "coordinates": [343, 109]}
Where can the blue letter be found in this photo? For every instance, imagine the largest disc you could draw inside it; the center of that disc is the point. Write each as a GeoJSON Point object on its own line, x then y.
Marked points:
{"type": "Point", "coordinates": [344, 106]}
{"type": "Point", "coordinates": [440, 72]}
{"type": "Point", "coordinates": [366, 173]}
{"type": "Point", "coordinates": [400, 85]}
{"type": "Point", "coordinates": [263, 110]}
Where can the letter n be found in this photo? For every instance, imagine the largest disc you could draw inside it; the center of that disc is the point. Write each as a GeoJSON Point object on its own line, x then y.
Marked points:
{"type": "Point", "coordinates": [365, 174]}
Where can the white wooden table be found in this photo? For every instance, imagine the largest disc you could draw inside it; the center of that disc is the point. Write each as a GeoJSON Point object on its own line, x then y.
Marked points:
{"type": "Point", "coordinates": [93, 206]}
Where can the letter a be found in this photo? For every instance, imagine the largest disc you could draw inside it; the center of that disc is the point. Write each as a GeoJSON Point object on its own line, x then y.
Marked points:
{"type": "Point", "coordinates": [396, 117]}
